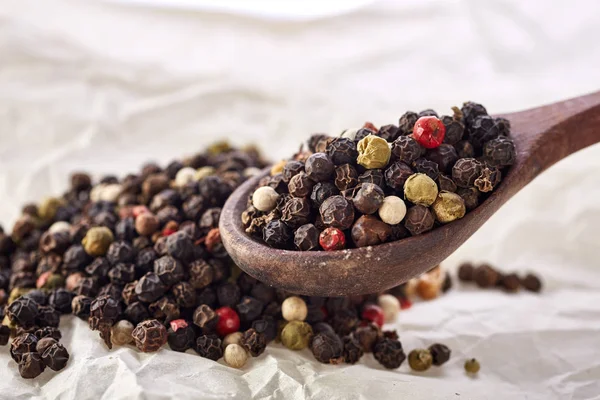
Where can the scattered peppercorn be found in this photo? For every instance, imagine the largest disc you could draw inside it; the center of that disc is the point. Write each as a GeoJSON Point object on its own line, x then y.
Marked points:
{"type": "Point", "coordinates": [389, 353]}
{"type": "Point", "coordinates": [440, 353]}
{"type": "Point", "coordinates": [472, 366]}
{"type": "Point", "coordinates": [532, 283]}
{"type": "Point", "coordinates": [420, 359]}
{"type": "Point", "coordinates": [149, 336]}
{"type": "Point", "coordinates": [327, 348]}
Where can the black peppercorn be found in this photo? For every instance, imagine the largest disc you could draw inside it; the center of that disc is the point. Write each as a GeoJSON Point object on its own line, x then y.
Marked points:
{"type": "Point", "coordinates": [267, 326]}
{"type": "Point", "coordinates": [500, 152]}
{"type": "Point", "coordinates": [164, 309]}
{"type": "Point", "coordinates": [327, 348]}
{"type": "Point", "coordinates": [300, 185]}
{"type": "Point", "coordinates": [290, 169]}
{"type": "Point", "coordinates": [48, 332]}
{"type": "Point", "coordinates": [120, 252]}
{"type": "Point", "coordinates": [150, 288]}
{"type": "Point", "coordinates": [128, 295]}
{"type": "Point", "coordinates": [369, 230]}
{"type": "Point", "coordinates": [136, 312]}
{"type": "Point", "coordinates": [344, 321]}
{"type": "Point", "coordinates": [24, 343]}
{"type": "Point", "coordinates": [488, 180]}
{"type": "Point", "coordinates": [23, 311]}
{"type": "Point", "coordinates": [374, 176]}
{"type": "Point", "coordinates": [4, 335]}
{"type": "Point", "coordinates": [169, 270]}
{"type": "Point", "coordinates": [406, 149]}
{"type": "Point", "coordinates": [426, 167]}
{"type": "Point", "coordinates": [99, 268]}
{"type": "Point", "coordinates": [61, 300]}
{"type": "Point", "coordinates": [485, 276]}
{"type": "Point", "coordinates": [75, 258]}
{"type": "Point", "coordinates": [205, 318]}
{"type": "Point", "coordinates": [368, 198]}
{"type": "Point", "coordinates": [397, 174]}
{"type": "Point", "coordinates": [363, 133]}
{"type": "Point", "coordinates": [352, 349]}
{"type": "Point", "coordinates": [149, 336]}
{"type": "Point", "coordinates": [122, 273]}
{"type": "Point", "coordinates": [112, 290]}
{"type": "Point", "coordinates": [316, 141]}
{"type": "Point", "coordinates": [44, 343]}
{"type": "Point", "coordinates": [296, 212]}
{"type": "Point", "coordinates": [346, 177]}
{"type": "Point", "coordinates": [201, 274]}
{"type": "Point", "coordinates": [277, 234]}
{"type": "Point", "coordinates": [342, 151]}
{"type": "Point", "coordinates": [471, 110]}
{"type": "Point", "coordinates": [407, 122]}
{"type": "Point", "coordinates": [104, 312]}
{"type": "Point", "coordinates": [249, 309]}
{"type": "Point", "coordinates": [87, 286]}
{"type": "Point", "coordinates": [444, 156]}
{"type": "Point", "coordinates": [181, 338]}
{"type": "Point", "coordinates": [389, 132]}
{"type": "Point", "coordinates": [306, 238]}
{"type": "Point", "coordinates": [55, 357]}
{"type": "Point", "coordinates": [81, 307]}
{"type": "Point", "coordinates": [322, 191]}
{"type": "Point", "coordinates": [510, 282]}
{"type": "Point", "coordinates": [482, 130]}
{"type": "Point", "coordinates": [55, 242]}
{"type": "Point", "coordinates": [125, 229]}
{"type": "Point", "coordinates": [531, 283]}
{"type": "Point", "coordinates": [440, 353]}
{"type": "Point", "coordinates": [446, 184]}
{"type": "Point", "coordinates": [47, 316]}
{"type": "Point", "coordinates": [184, 294]}
{"type": "Point", "coordinates": [180, 246]}
{"type": "Point", "coordinates": [465, 171]}
{"type": "Point", "coordinates": [389, 352]}
{"type": "Point", "coordinates": [254, 342]}
{"type": "Point", "coordinates": [209, 347]}
{"type": "Point", "coordinates": [229, 294]}
{"type": "Point", "coordinates": [465, 272]}
{"type": "Point", "coordinates": [418, 220]}
{"type": "Point", "coordinates": [31, 365]}
{"type": "Point", "coordinates": [263, 292]}
{"type": "Point", "coordinates": [319, 167]}
{"type": "Point", "coordinates": [455, 129]}
{"type": "Point", "coordinates": [337, 212]}
{"type": "Point", "coordinates": [470, 196]}
{"type": "Point", "coordinates": [464, 149]}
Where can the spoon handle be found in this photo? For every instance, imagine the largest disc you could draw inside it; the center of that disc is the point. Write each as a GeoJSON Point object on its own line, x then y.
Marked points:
{"type": "Point", "coordinates": [547, 134]}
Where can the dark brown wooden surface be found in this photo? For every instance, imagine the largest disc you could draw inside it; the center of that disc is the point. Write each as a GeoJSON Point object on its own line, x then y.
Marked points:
{"type": "Point", "coordinates": [542, 136]}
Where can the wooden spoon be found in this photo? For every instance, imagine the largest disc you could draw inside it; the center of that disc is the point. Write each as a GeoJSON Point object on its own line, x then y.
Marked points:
{"type": "Point", "coordinates": [542, 137]}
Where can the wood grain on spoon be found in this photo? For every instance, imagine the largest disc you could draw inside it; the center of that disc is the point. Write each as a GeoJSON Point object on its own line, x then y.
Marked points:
{"type": "Point", "coordinates": [542, 137]}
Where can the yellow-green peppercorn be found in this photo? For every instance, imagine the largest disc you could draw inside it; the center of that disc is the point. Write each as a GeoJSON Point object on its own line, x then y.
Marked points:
{"type": "Point", "coordinates": [7, 322]}
{"type": "Point", "coordinates": [420, 189]}
{"type": "Point", "coordinates": [47, 209]}
{"type": "Point", "coordinates": [296, 335]}
{"type": "Point", "coordinates": [219, 147]}
{"type": "Point", "coordinates": [472, 366]}
{"type": "Point", "coordinates": [420, 359]}
{"type": "Point", "coordinates": [373, 152]}
{"type": "Point", "coordinates": [203, 172]}
{"type": "Point", "coordinates": [278, 167]}
{"type": "Point", "coordinates": [54, 281]}
{"type": "Point", "coordinates": [97, 240]}
{"type": "Point", "coordinates": [448, 207]}
{"type": "Point", "coordinates": [17, 292]}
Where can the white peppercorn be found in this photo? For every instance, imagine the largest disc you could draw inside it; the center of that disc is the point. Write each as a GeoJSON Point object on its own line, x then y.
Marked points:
{"type": "Point", "coordinates": [59, 226]}
{"type": "Point", "coordinates": [294, 309]}
{"type": "Point", "coordinates": [235, 356]}
{"type": "Point", "coordinates": [390, 306]}
{"type": "Point", "coordinates": [265, 198]}
{"type": "Point", "coordinates": [111, 192]}
{"type": "Point", "coordinates": [233, 338]}
{"type": "Point", "coordinates": [393, 210]}
{"type": "Point", "coordinates": [121, 333]}
{"type": "Point", "coordinates": [250, 172]}
{"type": "Point", "coordinates": [203, 172]}
{"type": "Point", "coordinates": [184, 176]}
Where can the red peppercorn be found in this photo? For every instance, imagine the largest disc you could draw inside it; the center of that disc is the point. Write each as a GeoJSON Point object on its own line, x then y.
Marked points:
{"type": "Point", "coordinates": [137, 210]}
{"type": "Point", "coordinates": [373, 313]}
{"type": "Point", "coordinates": [332, 239]}
{"type": "Point", "coordinates": [429, 132]}
{"type": "Point", "coordinates": [405, 303]}
{"type": "Point", "coordinates": [178, 324]}
{"type": "Point", "coordinates": [369, 125]}
{"type": "Point", "coordinates": [168, 231]}
{"type": "Point", "coordinates": [228, 322]}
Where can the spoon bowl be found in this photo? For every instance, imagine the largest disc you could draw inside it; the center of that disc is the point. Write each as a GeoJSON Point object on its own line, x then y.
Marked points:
{"type": "Point", "coordinates": [542, 136]}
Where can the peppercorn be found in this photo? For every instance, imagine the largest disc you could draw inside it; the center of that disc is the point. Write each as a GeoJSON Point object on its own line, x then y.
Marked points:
{"type": "Point", "coordinates": [485, 276]}
{"type": "Point", "coordinates": [233, 338]}
{"type": "Point", "coordinates": [296, 335]}
{"type": "Point", "coordinates": [45, 343]}
{"type": "Point", "coordinates": [407, 122]}
{"type": "Point", "coordinates": [80, 306]}
{"type": "Point", "coordinates": [23, 312]}
{"type": "Point", "coordinates": [4, 335]}
{"type": "Point", "coordinates": [337, 212]}
{"type": "Point", "coordinates": [488, 180]}
{"type": "Point", "coordinates": [420, 189]}
{"type": "Point", "coordinates": [393, 210]}
{"type": "Point", "coordinates": [136, 312]}
{"type": "Point", "coordinates": [374, 314]}
{"type": "Point", "coordinates": [389, 353]}
{"type": "Point", "coordinates": [229, 321]}
{"type": "Point", "coordinates": [47, 317]}
{"type": "Point", "coordinates": [229, 294]}
{"type": "Point", "coordinates": [440, 354]}
{"type": "Point", "coordinates": [464, 149]}
{"type": "Point", "coordinates": [306, 238]}
{"type": "Point", "coordinates": [97, 241]}
{"type": "Point", "coordinates": [327, 348]}
{"type": "Point", "coordinates": [169, 270]}
{"type": "Point", "coordinates": [150, 287]}
{"type": "Point", "coordinates": [146, 224]}
{"type": "Point", "coordinates": [22, 344]}
{"type": "Point", "coordinates": [471, 110]}
{"type": "Point", "coordinates": [472, 366]}
{"type": "Point", "coordinates": [121, 333]}
{"type": "Point", "coordinates": [465, 272]}
{"type": "Point", "coordinates": [500, 152]}
{"type": "Point", "coordinates": [85, 286]}
{"type": "Point", "coordinates": [406, 149]}
{"type": "Point", "coordinates": [296, 212]}
{"type": "Point", "coordinates": [209, 347]}
{"type": "Point", "coordinates": [249, 309]}
{"type": "Point", "coordinates": [205, 318]}
{"type": "Point", "coordinates": [466, 171]}
{"type": "Point", "coordinates": [235, 356]}
{"type": "Point", "coordinates": [120, 252]}
{"type": "Point", "coordinates": [319, 167]}
{"type": "Point", "coordinates": [510, 282]}
{"type": "Point", "coordinates": [482, 130]}
{"type": "Point", "coordinates": [164, 309]}
{"type": "Point", "coordinates": [370, 231]}
{"type": "Point", "coordinates": [373, 152]}
{"type": "Point", "coordinates": [181, 336]}
{"type": "Point", "coordinates": [342, 151]}
{"type": "Point", "coordinates": [418, 220]}
{"type": "Point", "coordinates": [122, 273]}
{"type": "Point", "coordinates": [332, 239]}
{"type": "Point", "coordinates": [531, 283]}
{"type": "Point", "coordinates": [420, 360]}
{"type": "Point", "coordinates": [368, 198]}
{"type": "Point", "coordinates": [322, 191]}
{"type": "Point", "coordinates": [397, 174]}
{"type": "Point", "coordinates": [31, 365]}
{"type": "Point", "coordinates": [149, 336]}
{"type": "Point", "coordinates": [277, 234]}
{"type": "Point", "coordinates": [448, 207]}
{"type": "Point", "coordinates": [254, 342]}
{"type": "Point", "coordinates": [294, 309]}
{"type": "Point", "coordinates": [61, 300]}
{"type": "Point", "coordinates": [390, 306]}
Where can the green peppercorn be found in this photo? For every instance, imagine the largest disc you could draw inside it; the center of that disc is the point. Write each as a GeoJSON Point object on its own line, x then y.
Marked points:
{"type": "Point", "coordinates": [54, 281]}
{"type": "Point", "coordinates": [48, 208]}
{"type": "Point", "coordinates": [296, 335]}
{"type": "Point", "coordinates": [203, 172]}
{"type": "Point", "coordinates": [472, 366]}
{"type": "Point", "coordinates": [420, 189]}
{"type": "Point", "coordinates": [373, 152]}
{"type": "Point", "coordinates": [420, 359]}
{"type": "Point", "coordinates": [448, 207]}
{"type": "Point", "coordinates": [97, 240]}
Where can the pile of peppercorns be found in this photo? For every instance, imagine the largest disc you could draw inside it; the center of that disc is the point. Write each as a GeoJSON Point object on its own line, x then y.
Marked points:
{"type": "Point", "coordinates": [370, 186]}
{"type": "Point", "coordinates": [141, 261]}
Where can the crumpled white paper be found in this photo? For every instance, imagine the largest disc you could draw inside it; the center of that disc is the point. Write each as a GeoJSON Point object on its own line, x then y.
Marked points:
{"type": "Point", "coordinates": [103, 88]}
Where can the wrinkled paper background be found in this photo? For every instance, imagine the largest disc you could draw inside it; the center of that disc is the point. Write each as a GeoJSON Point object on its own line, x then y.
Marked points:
{"type": "Point", "coordinates": [105, 86]}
